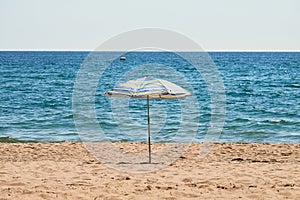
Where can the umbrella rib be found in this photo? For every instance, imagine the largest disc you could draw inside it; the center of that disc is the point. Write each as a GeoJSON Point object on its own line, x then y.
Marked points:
{"type": "Point", "coordinates": [163, 85]}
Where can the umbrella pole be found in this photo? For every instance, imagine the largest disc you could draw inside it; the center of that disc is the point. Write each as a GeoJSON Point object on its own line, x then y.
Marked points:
{"type": "Point", "coordinates": [149, 146]}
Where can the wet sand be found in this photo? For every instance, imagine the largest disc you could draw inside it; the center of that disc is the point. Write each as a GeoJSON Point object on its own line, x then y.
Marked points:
{"type": "Point", "coordinates": [229, 171]}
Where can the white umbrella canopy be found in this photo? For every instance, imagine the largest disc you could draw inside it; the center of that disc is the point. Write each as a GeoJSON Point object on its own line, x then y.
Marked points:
{"type": "Point", "coordinates": [148, 88]}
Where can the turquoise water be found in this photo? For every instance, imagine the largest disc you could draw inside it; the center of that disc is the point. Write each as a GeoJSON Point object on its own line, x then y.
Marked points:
{"type": "Point", "coordinates": [262, 95]}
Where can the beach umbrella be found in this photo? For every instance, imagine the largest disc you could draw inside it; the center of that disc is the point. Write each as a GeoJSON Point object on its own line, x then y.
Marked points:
{"type": "Point", "coordinates": [148, 88]}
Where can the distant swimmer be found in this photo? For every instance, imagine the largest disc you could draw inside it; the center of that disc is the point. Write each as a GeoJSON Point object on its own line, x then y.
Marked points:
{"type": "Point", "coordinates": [123, 58]}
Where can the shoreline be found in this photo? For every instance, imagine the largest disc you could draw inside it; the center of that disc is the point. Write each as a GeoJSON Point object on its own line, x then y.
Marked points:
{"type": "Point", "coordinates": [8, 139]}
{"type": "Point", "coordinates": [66, 170]}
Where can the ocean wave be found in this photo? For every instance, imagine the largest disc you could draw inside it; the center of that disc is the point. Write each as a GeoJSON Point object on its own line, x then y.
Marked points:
{"type": "Point", "coordinates": [9, 139]}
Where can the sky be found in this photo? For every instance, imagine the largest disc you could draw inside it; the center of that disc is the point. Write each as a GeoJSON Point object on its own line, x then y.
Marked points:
{"type": "Point", "coordinates": [250, 25]}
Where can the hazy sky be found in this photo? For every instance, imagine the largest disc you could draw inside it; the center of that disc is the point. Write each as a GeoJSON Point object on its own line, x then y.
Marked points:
{"type": "Point", "coordinates": [214, 24]}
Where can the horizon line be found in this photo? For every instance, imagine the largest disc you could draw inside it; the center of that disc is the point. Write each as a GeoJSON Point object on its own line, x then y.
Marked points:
{"type": "Point", "coordinates": [207, 50]}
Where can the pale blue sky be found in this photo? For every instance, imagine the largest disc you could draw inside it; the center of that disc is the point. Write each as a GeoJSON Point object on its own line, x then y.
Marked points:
{"type": "Point", "coordinates": [214, 24]}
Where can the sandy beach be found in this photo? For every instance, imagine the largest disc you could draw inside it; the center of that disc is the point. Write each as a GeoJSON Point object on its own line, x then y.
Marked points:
{"type": "Point", "coordinates": [230, 171]}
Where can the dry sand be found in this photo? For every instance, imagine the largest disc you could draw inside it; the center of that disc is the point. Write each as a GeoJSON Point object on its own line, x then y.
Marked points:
{"type": "Point", "coordinates": [229, 171]}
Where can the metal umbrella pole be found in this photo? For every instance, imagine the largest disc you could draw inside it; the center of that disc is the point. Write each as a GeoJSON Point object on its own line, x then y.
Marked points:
{"type": "Point", "coordinates": [149, 146]}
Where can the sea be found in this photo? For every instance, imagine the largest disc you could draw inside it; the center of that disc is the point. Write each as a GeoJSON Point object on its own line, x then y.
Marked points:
{"type": "Point", "coordinates": [261, 92]}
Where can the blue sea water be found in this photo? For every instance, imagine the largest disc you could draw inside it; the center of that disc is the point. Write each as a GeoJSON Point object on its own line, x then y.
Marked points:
{"type": "Point", "coordinates": [262, 97]}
